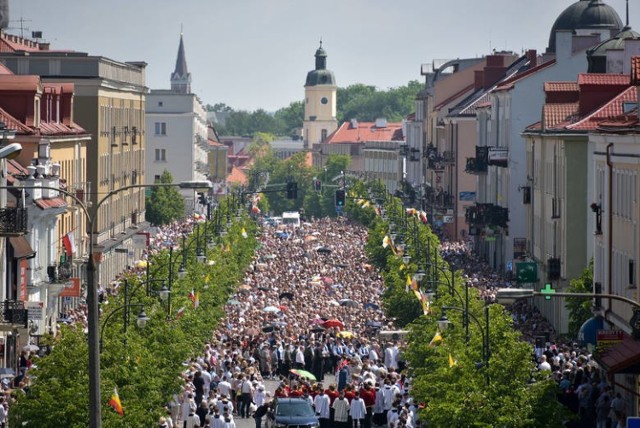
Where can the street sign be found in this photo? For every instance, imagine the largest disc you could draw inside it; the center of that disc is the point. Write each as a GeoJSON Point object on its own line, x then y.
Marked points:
{"type": "Point", "coordinates": [548, 290]}
{"type": "Point", "coordinates": [526, 272]}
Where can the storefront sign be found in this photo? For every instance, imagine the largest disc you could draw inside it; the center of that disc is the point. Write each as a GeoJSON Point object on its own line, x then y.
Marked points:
{"type": "Point", "coordinates": [605, 339]}
{"type": "Point", "coordinates": [35, 310]}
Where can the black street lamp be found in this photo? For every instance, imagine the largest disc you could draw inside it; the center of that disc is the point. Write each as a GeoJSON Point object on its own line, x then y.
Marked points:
{"type": "Point", "coordinates": [444, 324]}
{"type": "Point", "coordinates": [93, 322]}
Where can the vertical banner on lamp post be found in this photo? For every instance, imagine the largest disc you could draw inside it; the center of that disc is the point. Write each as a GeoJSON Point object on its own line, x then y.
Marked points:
{"type": "Point", "coordinates": [23, 280]}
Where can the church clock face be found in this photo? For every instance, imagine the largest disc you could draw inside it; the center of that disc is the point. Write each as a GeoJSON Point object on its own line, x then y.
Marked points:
{"type": "Point", "coordinates": [324, 100]}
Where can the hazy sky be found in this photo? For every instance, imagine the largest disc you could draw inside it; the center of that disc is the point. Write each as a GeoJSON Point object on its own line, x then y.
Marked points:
{"type": "Point", "coordinates": [254, 54]}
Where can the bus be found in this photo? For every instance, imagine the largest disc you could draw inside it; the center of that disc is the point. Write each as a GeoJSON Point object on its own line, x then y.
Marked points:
{"type": "Point", "coordinates": [291, 218]}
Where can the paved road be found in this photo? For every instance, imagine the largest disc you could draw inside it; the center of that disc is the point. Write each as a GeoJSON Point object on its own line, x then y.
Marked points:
{"type": "Point", "coordinates": [271, 386]}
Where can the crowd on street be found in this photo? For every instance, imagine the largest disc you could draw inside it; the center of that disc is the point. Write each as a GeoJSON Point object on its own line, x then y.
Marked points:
{"type": "Point", "coordinates": [306, 316]}
{"type": "Point", "coordinates": [309, 307]}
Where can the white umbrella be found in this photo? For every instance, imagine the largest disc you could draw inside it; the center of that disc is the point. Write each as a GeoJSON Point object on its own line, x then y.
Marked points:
{"type": "Point", "coordinates": [271, 309]}
{"type": "Point", "coordinates": [32, 348]}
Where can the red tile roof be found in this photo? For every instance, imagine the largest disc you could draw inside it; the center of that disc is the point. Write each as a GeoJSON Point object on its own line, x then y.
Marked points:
{"type": "Point", "coordinates": [366, 132]}
{"type": "Point", "coordinates": [12, 82]}
{"type": "Point", "coordinates": [4, 71]}
{"type": "Point", "coordinates": [561, 86]}
{"type": "Point", "coordinates": [55, 128]}
{"type": "Point", "coordinates": [509, 83]}
{"type": "Point", "coordinates": [237, 175]}
{"type": "Point", "coordinates": [602, 79]}
{"type": "Point", "coordinates": [610, 110]}
{"type": "Point", "coordinates": [44, 204]}
{"type": "Point", "coordinates": [455, 96]}
{"type": "Point", "coordinates": [13, 123]}
{"type": "Point", "coordinates": [554, 114]}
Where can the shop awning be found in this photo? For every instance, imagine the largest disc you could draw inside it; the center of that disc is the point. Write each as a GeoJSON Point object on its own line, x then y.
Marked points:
{"type": "Point", "coordinates": [623, 357]}
{"type": "Point", "coordinates": [21, 247]}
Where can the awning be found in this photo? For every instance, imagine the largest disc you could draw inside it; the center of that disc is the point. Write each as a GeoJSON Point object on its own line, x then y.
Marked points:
{"type": "Point", "coordinates": [21, 247]}
{"type": "Point", "coordinates": [623, 357]}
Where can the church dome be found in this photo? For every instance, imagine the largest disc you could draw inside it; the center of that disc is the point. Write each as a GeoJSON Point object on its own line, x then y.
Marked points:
{"type": "Point", "coordinates": [583, 15]}
{"type": "Point", "coordinates": [597, 55]}
{"type": "Point", "coordinates": [320, 76]}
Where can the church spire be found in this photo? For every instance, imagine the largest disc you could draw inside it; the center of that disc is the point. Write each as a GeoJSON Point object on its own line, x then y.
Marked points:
{"type": "Point", "coordinates": [181, 78]}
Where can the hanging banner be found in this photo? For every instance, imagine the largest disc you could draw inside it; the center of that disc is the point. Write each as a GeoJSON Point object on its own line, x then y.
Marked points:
{"type": "Point", "coordinates": [141, 240]}
{"type": "Point", "coordinates": [23, 280]}
{"type": "Point", "coordinates": [72, 288]}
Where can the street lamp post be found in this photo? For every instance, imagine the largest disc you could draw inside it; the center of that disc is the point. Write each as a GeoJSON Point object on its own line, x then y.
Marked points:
{"type": "Point", "coordinates": [95, 399]}
{"type": "Point", "coordinates": [444, 323]}
{"type": "Point", "coordinates": [141, 321]}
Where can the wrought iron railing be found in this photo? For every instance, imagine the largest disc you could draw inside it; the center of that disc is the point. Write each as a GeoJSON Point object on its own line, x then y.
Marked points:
{"type": "Point", "coordinates": [13, 221]}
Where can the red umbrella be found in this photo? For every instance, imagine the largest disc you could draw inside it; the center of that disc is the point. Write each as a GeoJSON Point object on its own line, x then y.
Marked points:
{"type": "Point", "coordinates": [283, 308]}
{"type": "Point", "coordinates": [327, 280]}
{"type": "Point", "coordinates": [333, 323]}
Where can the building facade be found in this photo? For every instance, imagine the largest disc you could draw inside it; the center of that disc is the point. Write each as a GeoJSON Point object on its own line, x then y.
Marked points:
{"type": "Point", "coordinates": [177, 132]}
{"type": "Point", "coordinates": [109, 104]}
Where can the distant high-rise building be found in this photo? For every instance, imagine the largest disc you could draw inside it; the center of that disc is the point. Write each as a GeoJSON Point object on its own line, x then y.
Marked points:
{"type": "Point", "coordinates": [320, 102]}
{"type": "Point", "coordinates": [181, 78]}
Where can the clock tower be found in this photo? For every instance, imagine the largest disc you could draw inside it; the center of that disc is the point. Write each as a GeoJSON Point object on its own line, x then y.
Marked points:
{"type": "Point", "coordinates": [320, 102]}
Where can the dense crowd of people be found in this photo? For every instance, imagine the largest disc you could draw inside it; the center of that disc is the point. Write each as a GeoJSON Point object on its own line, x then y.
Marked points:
{"type": "Point", "coordinates": [583, 387]}
{"type": "Point", "coordinates": [309, 306]}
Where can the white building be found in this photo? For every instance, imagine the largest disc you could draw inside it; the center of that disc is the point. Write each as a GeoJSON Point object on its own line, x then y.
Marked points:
{"type": "Point", "coordinates": [176, 129]}
{"type": "Point", "coordinates": [515, 104]}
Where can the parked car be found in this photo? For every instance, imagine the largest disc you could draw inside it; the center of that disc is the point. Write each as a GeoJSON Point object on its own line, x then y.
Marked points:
{"type": "Point", "coordinates": [292, 412]}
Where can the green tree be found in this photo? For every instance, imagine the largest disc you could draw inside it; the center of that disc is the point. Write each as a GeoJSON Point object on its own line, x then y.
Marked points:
{"type": "Point", "coordinates": [145, 371]}
{"type": "Point", "coordinates": [580, 309]}
{"type": "Point", "coordinates": [164, 204]}
{"type": "Point", "coordinates": [366, 103]}
{"type": "Point", "coordinates": [290, 119]}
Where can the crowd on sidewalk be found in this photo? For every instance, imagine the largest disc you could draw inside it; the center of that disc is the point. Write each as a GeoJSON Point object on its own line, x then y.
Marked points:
{"type": "Point", "coordinates": [584, 388]}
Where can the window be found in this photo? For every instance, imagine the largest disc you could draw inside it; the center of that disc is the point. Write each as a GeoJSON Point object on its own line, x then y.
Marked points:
{"type": "Point", "coordinates": [323, 135]}
{"type": "Point", "coordinates": [160, 103]}
{"type": "Point", "coordinates": [156, 179]}
{"type": "Point", "coordinates": [161, 128]}
{"type": "Point", "coordinates": [161, 155]}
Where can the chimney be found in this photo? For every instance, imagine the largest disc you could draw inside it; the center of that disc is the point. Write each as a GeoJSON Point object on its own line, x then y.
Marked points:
{"type": "Point", "coordinates": [564, 44]}
{"type": "Point", "coordinates": [493, 71]}
{"type": "Point", "coordinates": [532, 56]}
{"type": "Point", "coordinates": [43, 46]}
{"type": "Point", "coordinates": [478, 80]}
{"type": "Point", "coordinates": [66, 103]}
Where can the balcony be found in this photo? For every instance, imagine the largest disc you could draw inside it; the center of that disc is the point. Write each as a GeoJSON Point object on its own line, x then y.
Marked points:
{"type": "Point", "coordinates": [14, 313]}
{"type": "Point", "coordinates": [81, 191]}
{"type": "Point", "coordinates": [480, 163]}
{"type": "Point", "coordinates": [487, 215]}
{"type": "Point", "coordinates": [13, 221]}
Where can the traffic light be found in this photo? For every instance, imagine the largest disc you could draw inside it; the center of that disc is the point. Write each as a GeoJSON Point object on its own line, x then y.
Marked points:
{"type": "Point", "coordinates": [317, 185]}
{"type": "Point", "coordinates": [340, 197]}
{"type": "Point", "coordinates": [202, 199]}
{"type": "Point", "coordinates": [553, 269]}
{"type": "Point", "coordinates": [292, 190]}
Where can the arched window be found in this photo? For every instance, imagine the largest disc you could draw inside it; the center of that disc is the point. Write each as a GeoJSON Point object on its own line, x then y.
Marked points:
{"type": "Point", "coordinates": [323, 135]}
